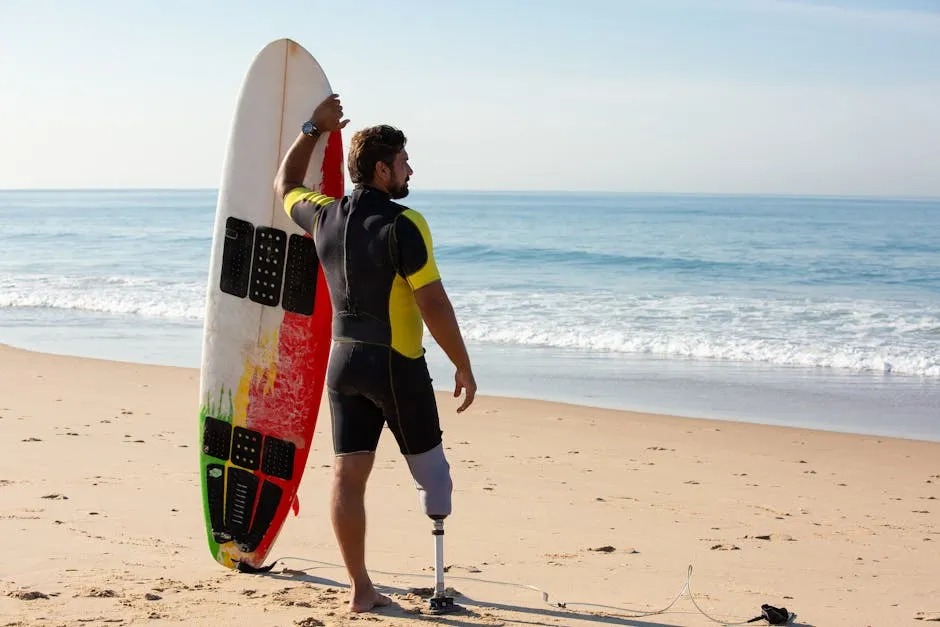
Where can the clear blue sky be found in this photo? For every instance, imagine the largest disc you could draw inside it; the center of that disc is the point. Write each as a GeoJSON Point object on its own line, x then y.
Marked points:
{"type": "Point", "coordinates": [766, 96]}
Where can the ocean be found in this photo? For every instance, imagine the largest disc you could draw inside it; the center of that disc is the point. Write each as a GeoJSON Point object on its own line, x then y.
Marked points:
{"type": "Point", "coordinates": [809, 312]}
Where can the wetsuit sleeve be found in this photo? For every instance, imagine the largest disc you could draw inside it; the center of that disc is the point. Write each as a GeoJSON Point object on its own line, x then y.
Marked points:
{"type": "Point", "coordinates": [303, 206]}
{"type": "Point", "coordinates": [415, 250]}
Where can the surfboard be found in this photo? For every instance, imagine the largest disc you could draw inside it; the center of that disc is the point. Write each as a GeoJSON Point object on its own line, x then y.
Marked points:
{"type": "Point", "coordinates": [266, 337]}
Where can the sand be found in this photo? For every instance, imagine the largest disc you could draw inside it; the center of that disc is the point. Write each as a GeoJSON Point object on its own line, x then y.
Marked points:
{"type": "Point", "coordinates": [604, 511]}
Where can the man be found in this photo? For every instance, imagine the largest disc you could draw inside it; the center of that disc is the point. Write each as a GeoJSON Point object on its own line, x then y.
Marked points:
{"type": "Point", "coordinates": [378, 260]}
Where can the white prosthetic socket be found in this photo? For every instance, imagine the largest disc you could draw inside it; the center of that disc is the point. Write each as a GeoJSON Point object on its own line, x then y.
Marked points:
{"type": "Point", "coordinates": [431, 474]}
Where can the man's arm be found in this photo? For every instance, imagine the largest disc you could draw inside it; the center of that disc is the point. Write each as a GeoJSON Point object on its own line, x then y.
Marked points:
{"type": "Point", "coordinates": [416, 263]}
{"type": "Point", "coordinates": [327, 117]}
{"type": "Point", "coordinates": [294, 166]}
{"type": "Point", "coordinates": [439, 317]}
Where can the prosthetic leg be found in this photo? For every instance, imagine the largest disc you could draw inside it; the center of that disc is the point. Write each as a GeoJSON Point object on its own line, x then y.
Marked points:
{"type": "Point", "coordinates": [440, 603]}
{"type": "Point", "coordinates": [431, 473]}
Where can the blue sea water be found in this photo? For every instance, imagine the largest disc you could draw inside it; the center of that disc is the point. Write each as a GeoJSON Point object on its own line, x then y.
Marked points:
{"type": "Point", "coordinates": [819, 312]}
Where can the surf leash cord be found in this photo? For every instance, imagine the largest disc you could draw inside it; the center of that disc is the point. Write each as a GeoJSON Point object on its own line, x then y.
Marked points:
{"type": "Point", "coordinates": [773, 615]}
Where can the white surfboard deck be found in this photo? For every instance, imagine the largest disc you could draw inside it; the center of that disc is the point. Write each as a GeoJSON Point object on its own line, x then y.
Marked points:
{"type": "Point", "coordinates": [262, 366]}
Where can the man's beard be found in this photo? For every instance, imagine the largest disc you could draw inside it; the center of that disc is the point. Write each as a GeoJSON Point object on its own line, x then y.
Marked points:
{"type": "Point", "coordinates": [398, 191]}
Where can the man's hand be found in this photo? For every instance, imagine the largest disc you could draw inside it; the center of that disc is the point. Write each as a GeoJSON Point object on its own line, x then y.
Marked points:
{"type": "Point", "coordinates": [464, 381]}
{"type": "Point", "coordinates": [328, 116]}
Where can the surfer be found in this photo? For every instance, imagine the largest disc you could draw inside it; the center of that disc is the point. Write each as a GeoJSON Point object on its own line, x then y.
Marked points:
{"type": "Point", "coordinates": [378, 260]}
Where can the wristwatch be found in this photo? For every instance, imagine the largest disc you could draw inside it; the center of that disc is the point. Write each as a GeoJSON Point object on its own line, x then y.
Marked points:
{"type": "Point", "coordinates": [310, 129]}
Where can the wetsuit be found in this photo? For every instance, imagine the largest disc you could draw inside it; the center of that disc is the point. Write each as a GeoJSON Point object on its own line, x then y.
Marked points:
{"type": "Point", "coordinates": [375, 253]}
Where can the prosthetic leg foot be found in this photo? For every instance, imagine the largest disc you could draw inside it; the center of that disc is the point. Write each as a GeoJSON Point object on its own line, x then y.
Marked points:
{"type": "Point", "coordinates": [440, 603]}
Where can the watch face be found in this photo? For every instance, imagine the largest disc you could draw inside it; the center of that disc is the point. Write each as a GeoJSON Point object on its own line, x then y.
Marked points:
{"type": "Point", "coordinates": [308, 127]}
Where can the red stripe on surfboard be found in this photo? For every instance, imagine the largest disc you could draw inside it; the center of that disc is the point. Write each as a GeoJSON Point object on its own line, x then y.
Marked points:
{"type": "Point", "coordinates": [303, 351]}
{"type": "Point", "coordinates": [333, 179]}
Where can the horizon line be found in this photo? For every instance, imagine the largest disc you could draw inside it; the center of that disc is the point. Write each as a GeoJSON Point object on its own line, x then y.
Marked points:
{"type": "Point", "coordinates": [928, 198]}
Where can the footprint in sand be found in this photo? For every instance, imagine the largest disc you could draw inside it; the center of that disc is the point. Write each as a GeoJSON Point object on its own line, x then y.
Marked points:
{"type": "Point", "coordinates": [28, 595]}
{"type": "Point", "coordinates": [469, 569]}
{"type": "Point", "coordinates": [99, 593]}
{"type": "Point", "coordinates": [928, 616]}
{"type": "Point", "coordinates": [603, 549]}
{"type": "Point", "coordinates": [773, 536]}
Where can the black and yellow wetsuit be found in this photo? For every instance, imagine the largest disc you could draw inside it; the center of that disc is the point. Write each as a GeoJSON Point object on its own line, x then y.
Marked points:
{"type": "Point", "coordinates": [375, 253]}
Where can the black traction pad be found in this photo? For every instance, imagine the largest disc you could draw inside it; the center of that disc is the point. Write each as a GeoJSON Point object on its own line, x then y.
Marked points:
{"type": "Point", "coordinates": [216, 438]}
{"type": "Point", "coordinates": [242, 488]}
{"type": "Point", "coordinates": [278, 458]}
{"type": "Point", "coordinates": [267, 266]}
{"type": "Point", "coordinates": [268, 501]}
{"type": "Point", "coordinates": [300, 275]}
{"type": "Point", "coordinates": [246, 448]}
{"type": "Point", "coordinates": [236, 257]}
{"type": "Point", "coordinates": [215, 493]}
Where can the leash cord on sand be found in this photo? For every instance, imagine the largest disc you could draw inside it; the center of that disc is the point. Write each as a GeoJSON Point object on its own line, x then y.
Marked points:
{"type": "Point", "coordinates": [625, 613]}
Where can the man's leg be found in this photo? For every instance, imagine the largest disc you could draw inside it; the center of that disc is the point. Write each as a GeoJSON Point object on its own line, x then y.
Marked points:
{"type": "Point", "coordinates": [357, 427]}
{"type": "Point", "coordinates": [348, 515]}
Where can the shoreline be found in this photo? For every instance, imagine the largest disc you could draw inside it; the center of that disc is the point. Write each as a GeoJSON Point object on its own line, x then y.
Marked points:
{"type": "Point", "coordinates": [571, 404]}
{"type": "Point", "coordinates": [439, 364]}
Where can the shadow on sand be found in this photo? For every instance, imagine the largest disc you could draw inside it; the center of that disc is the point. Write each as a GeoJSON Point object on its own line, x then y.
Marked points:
{"type": "Point", "coordinates": [470, 608]}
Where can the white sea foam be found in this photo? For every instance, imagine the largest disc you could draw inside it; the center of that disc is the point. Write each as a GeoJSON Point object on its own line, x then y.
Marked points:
{"type": "Point", "coordinates": [149, 298]}
{"type": "Point", "coordinates": [855, 335]}
{"type": "Point", "coordinates": [858, 336]}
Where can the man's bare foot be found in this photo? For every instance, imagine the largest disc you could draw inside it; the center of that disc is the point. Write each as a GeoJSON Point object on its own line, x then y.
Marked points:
{"type": "Point", "coordinates": [367, 600]}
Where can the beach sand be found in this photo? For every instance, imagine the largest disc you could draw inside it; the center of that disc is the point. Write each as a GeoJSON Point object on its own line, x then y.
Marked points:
{"type": "Point", "coordinates": [101, 515]}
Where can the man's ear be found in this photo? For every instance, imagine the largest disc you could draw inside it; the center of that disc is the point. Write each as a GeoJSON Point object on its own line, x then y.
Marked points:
{"type": "Point", "coordinates": [382, 171]}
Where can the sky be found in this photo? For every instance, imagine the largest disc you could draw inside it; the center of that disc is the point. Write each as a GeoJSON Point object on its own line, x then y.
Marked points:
{"type": "Point", "coordinates": [688, 96]}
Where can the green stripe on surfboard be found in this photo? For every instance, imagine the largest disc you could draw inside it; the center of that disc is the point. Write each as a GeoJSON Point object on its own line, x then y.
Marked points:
{"type": "Point", "coordinates": [221, 408]}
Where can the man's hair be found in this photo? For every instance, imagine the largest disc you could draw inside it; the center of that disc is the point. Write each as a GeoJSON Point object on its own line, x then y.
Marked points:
{"type": "Point", "coordinates": [371, 145]}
